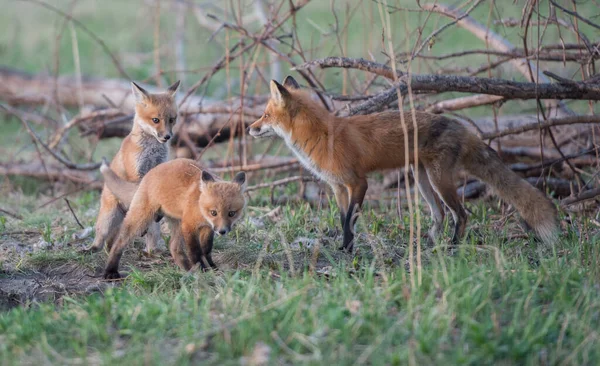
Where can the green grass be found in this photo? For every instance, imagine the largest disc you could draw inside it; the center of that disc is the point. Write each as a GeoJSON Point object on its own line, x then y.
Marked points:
{"type": "Point", "coordinates": [513, 302]}
{"type": "Point", "coordinates": [467, 310]}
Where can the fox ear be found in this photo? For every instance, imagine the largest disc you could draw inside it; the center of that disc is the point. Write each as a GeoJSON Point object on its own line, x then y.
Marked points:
{"type": "Point", "coordinates": [139, 93]}
{"type": "Point", "coordinates": [173, 88]}
{"type": "Point", "coordinates": [240, 178]}
{"type": "Point", "coordinates": [291, 83]}
{"type": "Point", "coordinates": [207, 178]}
{"type": "Point", "coordinates": [279, 93]}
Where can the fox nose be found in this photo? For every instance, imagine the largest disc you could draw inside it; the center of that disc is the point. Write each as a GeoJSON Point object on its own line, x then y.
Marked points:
{"type": "Point", "coordinates": [248, 130]}
{"type": "Point", "coordinates": [222, 232]}
{"type": "Point", "coordinates": [167, 137]}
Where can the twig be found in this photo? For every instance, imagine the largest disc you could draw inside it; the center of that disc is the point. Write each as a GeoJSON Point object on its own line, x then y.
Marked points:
{"type": "Point", "coordinates": [66, 162]}
{"type": "Point", "coordinates": [281, 182]}
{"type": "Point", "coordinates": [13, 215]}
{"type": "Point", "coordinates": [73, 212]}
{"type": "Point", "coordinates": [576, 15]}
{"type": "Point", "coordinates": [583, 196]}
{"type": "Point", "coordinates": [535, 125]}
{"type": "Point", "coordinates": [255, 167]}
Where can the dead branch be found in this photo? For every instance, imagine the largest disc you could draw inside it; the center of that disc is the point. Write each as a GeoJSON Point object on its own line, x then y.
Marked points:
{"type": "Point", "coordinates": [583, 196]}
{"type": "Point", "coordinates": [548, 123]}
{"type": "Point", "coordinates": [462, 103]}
{"type": "Point", "coordinates": [53, 173]}
{"type": "Point", "coordinates": [280, 182]}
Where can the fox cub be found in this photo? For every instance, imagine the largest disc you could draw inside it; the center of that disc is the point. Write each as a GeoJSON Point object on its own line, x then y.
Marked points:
{"type": "Point", "coordinates": [195, 203]}
{"type": "Point", "coordinates": [342, 150]}
{"type": "Point", "coordinates": [144, 148]}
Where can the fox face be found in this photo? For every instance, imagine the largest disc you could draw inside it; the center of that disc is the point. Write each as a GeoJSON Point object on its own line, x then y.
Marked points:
{"type": "Point", "coordinates": [278, 115]}
{"type": "Point", "coordinates": [156, 114]}
{"type": "Point", "coordinates": [222, 203]}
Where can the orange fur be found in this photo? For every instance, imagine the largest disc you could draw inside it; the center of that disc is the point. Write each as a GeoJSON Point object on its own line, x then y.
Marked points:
{"type": "Point", "coordinates": [343, 150]}
{"type": "Point", "coordinates": [144, 148]}
{"type": "Point", "coordinates": [195, 203]}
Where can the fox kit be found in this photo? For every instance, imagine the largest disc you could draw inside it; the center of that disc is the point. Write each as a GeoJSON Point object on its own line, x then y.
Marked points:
{"type": "Point", "coordinates": [342, 150]}
{"type": "Point", "coordinates": [195, 203]}
{"type": "Point", "coordinates": [144, 148]}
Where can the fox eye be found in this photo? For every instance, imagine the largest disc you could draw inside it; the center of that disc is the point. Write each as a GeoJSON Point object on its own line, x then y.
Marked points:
{"type": "Point", "coordinates": [172, 120]}
{"type": "Point", "coordinates": [155, 120]}
{"type": "Point", "coordinates": [213, 212]}
{"type": "Point", "coordinates": [266, 115]}
{"type": "Point", "coordinates": [231, 213]}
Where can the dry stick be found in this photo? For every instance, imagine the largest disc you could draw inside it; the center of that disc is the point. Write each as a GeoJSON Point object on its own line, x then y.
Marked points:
{"type": "Point", "coordinates": [73, 212]}
{"type": "Point", "coordinates": [65, 162]}
{"type": "Point", "coordinates": [281, 182]}
{"type": "Point", "coordinates": [228, 57]}
{"type": "Point", "coordinates": [468, 84]}
{"type": "Point", "coordinates": [106, 113]}
{"type": "Point", "coordinates": [463, 103]}
{"type": "Point", "coordinates": [583, 196]}
{"type": "Point", "coordinates": [13, 215]}
{"type": "Point", "coordinates": [576, 15]}
{"type": "Point", "coordinates": [398, 93]}
{"type": "Point", "coordinates": [548, 123]}
{"type": "Point", "coordinates": [496, 41]}
{"type": "Point", "coordinates": [254, 167]}
{"type": "Point", "coordinates": [514, 53]}
{"type": "Point", "coordinates": [86, 30]}
{"type": "Point", "coordinates": [445, 26]}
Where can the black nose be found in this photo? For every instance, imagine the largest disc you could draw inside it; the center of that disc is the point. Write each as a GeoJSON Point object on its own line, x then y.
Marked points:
{"type": "Point", "coordinates": [222, 231]}
{"type": "Point", "coordinates": [167, 137]}
{"type": "Point", "coordinates": [248, 130]}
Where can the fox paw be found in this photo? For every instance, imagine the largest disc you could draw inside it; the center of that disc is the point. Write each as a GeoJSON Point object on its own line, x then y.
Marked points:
{"type": "Point", "coordinates": [111, 275]}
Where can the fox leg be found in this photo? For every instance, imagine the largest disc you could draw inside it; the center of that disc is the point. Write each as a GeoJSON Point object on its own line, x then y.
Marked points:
{"type": "Point", "coordinates": [152, 236]}
{"type": "Point", "coordinates": [194, 251]}
{"type": "Point", "coordinates": [176, 245]}
{"type": "Point", "coordinates": [357, 193]}
{"type": "Point", "coordinates": [443, 184]}
{"type": "Point", "coordinates": [108, 222]}
{"type": "Point", "coordinates": [136, 221]}
{"type": "Point", "coordinates": [206, 237]}
{"type": "Point", "coordinates": [433, 201]}
{"type": "Point", "coordinates": [341, 197]}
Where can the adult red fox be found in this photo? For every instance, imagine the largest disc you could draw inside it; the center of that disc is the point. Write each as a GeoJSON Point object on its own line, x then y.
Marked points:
{"type": "Point", "coordinates": [342, 150]}
{"type": "Point", "coordinates": [144, 148]}
{"type": "Point", "coordinates": [195, 203]}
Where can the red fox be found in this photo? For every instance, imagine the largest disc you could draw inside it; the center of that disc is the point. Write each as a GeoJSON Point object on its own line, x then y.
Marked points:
{"type": "Point", "coordinates": [144, 148]}
{"type": "Point", "coordinates": [342, 150]}
{"type": "Point", "coordinates": [194, 202]}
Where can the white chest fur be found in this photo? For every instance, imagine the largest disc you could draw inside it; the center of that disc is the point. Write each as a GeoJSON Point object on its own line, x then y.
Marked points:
{"type": "Point", "coordinates": [305, 159]}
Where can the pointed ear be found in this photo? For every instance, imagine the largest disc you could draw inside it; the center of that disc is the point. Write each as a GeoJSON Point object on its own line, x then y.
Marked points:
{"type": "Point", "coordinates": [291, 83]}
{"type": "Point", "coordinates": [240, 178]}
{"type": "Point", "coordinates": [140, 94]}
{"type": "Point", "coordinates": [279, 93]}
{"type": "Point", "coordinates": [207, 178]}
{"type": "Point", "coordinates": [173, 88]}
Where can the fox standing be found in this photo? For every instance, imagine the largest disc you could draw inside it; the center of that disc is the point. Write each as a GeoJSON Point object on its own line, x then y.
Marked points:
{"type": "Point", "coordinates": [342, 150]}
{"type": "Point", "coordinates": [144, 148]}
{"type": "Point", "coordinates": [195, 204]}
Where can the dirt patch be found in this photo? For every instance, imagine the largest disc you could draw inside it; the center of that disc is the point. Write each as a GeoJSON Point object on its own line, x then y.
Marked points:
{"type": "Point", "coordinates": [47, 285]}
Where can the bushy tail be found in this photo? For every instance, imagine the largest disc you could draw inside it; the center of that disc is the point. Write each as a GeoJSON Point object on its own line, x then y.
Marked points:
{"type": "Point", "coordinates": [537, 210]}
{"type": "Point", "coordinates": [121, 188]}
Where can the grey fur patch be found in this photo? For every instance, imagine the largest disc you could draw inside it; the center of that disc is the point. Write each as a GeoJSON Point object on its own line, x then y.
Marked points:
{"type": "Point", "coordinates": [152, 154]}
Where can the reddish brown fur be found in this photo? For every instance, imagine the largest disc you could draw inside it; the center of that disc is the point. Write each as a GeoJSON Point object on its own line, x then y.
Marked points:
{"type": "Point", "coordinates": [342, 151]}
{"type": "Point", "coordinates": [135, 156]}
{"type": "Point", "coordinates": [194, 203]}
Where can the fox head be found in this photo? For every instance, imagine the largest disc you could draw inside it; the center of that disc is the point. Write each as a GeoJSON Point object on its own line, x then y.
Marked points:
{"type": "Point", "coordinates": [279, 113]}
{"type": "Point", "coordinates": [222, 203]}
{"type": "Point", "coordinates": [156, 114]}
